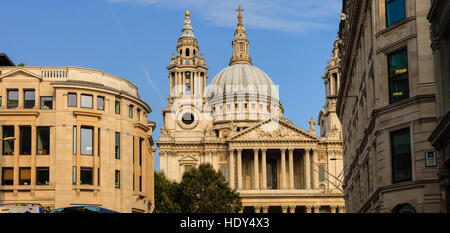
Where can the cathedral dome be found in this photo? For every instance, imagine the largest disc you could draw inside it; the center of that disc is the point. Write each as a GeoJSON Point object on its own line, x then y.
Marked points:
{"type": "Point", "coordinates": [242, 79]}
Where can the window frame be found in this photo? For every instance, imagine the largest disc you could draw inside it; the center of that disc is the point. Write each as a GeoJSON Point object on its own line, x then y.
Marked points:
{"type": "Point", "coordinates": [42, 101]}
{"type": "Point", "coordinates": [8, 99]}
{"type": "Point", "coordinates": [68, 99]}
{"type": "Point", "coordinates": [25, 91]}
{"type": "Point", "coordinates": [91, 101]}
{"type": "Point", "coordinates": [47, 152]}
{"type": "Point", "coordinates": [103, 101]}
{"type": "Point", "coordinates": [397, 78]}
{"type": "Point", "coordinates": [40, 169]}
{"type": "Point", "coordinates": [392, 134]}
{"type": "Point", "coordinates": [82, 128]}
{"type": "Point", "coordinates": [386, 4]}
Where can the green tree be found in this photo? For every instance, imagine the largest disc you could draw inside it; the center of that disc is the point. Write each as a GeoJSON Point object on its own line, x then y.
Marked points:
{"type": "Point", "coordinates": [166, 195]}
{"type": "Point", "coordinates": [205, 190]}
{"type": "Point", "coordinates": [21, 64]}
{"type": "Point", "coordinates": [201, 190]}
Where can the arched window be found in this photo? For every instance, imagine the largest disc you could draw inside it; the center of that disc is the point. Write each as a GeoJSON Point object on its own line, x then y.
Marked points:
{"type": "Point", "coordinates": [187, 52]}
{"type": "Point", "coordinates": [195, 52]}
{"type": "Point", "coordinates": [403, 209]}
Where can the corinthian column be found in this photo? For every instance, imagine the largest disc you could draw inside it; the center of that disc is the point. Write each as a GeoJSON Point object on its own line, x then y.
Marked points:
{"type": "Point", "coordinates": [283, 168]}
{"type": "Point", "coordinates": [264, 169]}
{"type": "Point", "coordinates": [256, 168]}
{"type": "Point", "coordinates": [291, 168]}
{"type": "Point", "coordinates": [315, 174]}
{"type": "Point", "coordinates": [239, 168]}
{"type": "Point", "coordinates": [307, 164]}
{"type": "Point", "coordinates": [231, 167]}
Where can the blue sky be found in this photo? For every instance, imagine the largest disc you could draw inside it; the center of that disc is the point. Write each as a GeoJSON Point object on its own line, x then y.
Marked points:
{"type": "Point", "coordinates": [291, 40]}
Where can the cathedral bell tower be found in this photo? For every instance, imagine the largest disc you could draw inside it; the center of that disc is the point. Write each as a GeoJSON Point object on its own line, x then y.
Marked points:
{"type": "Point", "coordinates": [187, 78]}
{"type": "Point", "coordinates": [240, 43]}
{"type": "Point", "coordinates": [187, 70]}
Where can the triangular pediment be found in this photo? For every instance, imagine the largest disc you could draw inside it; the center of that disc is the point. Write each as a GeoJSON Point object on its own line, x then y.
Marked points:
{"type": "Point", "coordinates": [274, 130]}
{"type": "Point", "coordinates": [20, 73]}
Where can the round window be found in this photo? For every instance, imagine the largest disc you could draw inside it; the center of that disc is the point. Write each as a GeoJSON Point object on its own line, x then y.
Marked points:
{"type": "Point", "coordinates": [188, 118]}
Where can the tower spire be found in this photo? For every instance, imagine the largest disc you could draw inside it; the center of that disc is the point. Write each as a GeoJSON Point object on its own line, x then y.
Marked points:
{"type": "Point", "coordinates": [240, 43]}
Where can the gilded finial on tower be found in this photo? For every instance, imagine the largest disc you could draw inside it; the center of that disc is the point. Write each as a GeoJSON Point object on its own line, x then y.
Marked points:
{"type": "Point", "coordinates": [239, 16]}
{"type": "Point", "coordinates": [188, 20]}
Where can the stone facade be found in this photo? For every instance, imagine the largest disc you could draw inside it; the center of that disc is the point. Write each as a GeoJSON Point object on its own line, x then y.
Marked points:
{"type": "Point", "coordinates": [387, 106]}
{"type": "Point", "coordinates": [59, 127]}
{"type": "Point", "coordinates": [273, 164]}
{"type": "Point", "coordinates": [439, 16]}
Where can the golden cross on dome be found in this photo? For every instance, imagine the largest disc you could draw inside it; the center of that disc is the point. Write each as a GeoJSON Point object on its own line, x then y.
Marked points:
{"type": "Point", "coordinates": [240, 16]}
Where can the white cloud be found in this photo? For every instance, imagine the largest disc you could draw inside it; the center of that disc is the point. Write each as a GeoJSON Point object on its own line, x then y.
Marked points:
{"type": "Point", "coordinates": [284, 15]}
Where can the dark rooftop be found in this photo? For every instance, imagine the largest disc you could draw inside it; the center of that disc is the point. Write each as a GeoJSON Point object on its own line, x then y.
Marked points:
{"type": "Point", "coordinates": [5, 61]}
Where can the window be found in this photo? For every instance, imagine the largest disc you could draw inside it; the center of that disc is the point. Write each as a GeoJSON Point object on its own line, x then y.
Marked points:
{"type": "Point", "coordinates": [24, 176]}
{"type": "Point", "coordinates": [86, 141]}
{"type": "Point", "coordinates": [46, 102]}
{"type": "Point", "coordinates": [86, 101]}
{"type": "Point", "coordinates": [74, 175]}
{"type": "Point", "coordinates": [42, 176]}
{"type": "Point", "coordinates": [188, 88]}
{"type": "Point", "coordinates": [398, 76]}
{"type": "Point", "coordinates": [401, 156]}
{"type": "Point", "coordinates": [98, 142]}
{"type": "Point", "coordinates": [29, 99]}
{"type": "Point", "coordinates": [130, 111]}
{"type": "Point", "coordinates": [72, 99]}
{"type": "Point", "coordinates": [140, 183]}
{"type": "Point", "coordinates": [8, 140]}
{"type": "Point", "coordinates": [98, 176]}
{"type": "Point", "coordinates": [395, 11]}
{"type": "Point", "coordinates": [7, 176]}
{"type": "Point", "coordinates": [117, 179]}
{"type": "Point", "coordinates": [187, 168]}
{"type": "Point", "coordinates": [43, 140]}
{"type": "Point", "coordinates": [140, 151]}
{"type": "Point", "coordinates": [86, 176]}
{"type": "Point", "coordinates": [13, 99]}
{"type": "Point", "coordinates": [100, 103]}
{"type": "Point", "coordinates": [321, 173]}
{"type": "Point", "coordinates": [74, 140]}
{"type": "Point", "coordinates": [187, 52]}
{"type": "Point", "coordinates": [25, 140]}
{"type": "Point", "coordinates": [223, 171]}
{"type": "Point", "coordinates": [138, 115]}
{"type": "Point", "coordinates": [117, 145]}
{"type": "Point", "coordinates": [1, 100]}
{"type": "Point", "coordinates": [117, 107]}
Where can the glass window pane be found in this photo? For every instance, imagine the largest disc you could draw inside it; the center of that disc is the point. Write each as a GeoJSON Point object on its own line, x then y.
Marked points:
{"type": "Point", "coordinates": [86, 141]}
{"type": "Point", "coordinates": [395, 11]}
{"type": "Point", "coordinates": [43, 141]}
{"type": "Point", "coordinates": [86, 101]}
{"type": "Point", "coordinates": [130, 111]}
{"type": "Point", "coordinates": [117, 145]}
{"type": "Point", "coordinates": [13, 99]}
{"type": "Point", "coordinates": [29, 99]}
{"type": "Point", "coordinates": [24, 176]}
{"type": "Point", "coordinates": [7, 176]}
{"type": "Point", "coordinates": [74, 175]}
{"type": "Point", "coordinates": [42, 176]}
{"type": "Point", "coordinates": [8, 140]}
{"type": "Point", "coordinates": [25, 140]}
{"type": "Point", "coordinates": [72, 99]}
{"type": "Point", "coordinates": [86, 176]}
{"type": "Point", "coordinates": [100, 103]}
{"type": "Point", "coordinates": [117, 107]}
{"type": "Point", "coordinates": [398, 76]}
{"type": "Point", "coordinates": [401, 155]}
{"type": "Point", "coordinates": [117, 179]}
{"type": "Point", "coordinates": [47, 102]}
{"type": "Point", "coordinates": [74, 140]}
